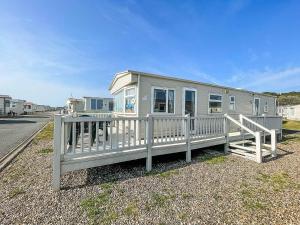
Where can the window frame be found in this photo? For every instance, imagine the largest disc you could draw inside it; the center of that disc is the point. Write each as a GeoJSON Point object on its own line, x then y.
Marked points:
{"type": "Point", "coordinates": [167, 100]}
{"type": "Point", "coordinates": [122, 97]}
{"type": "Point", "coordinates": [126, 96]}
{"type": "Point", "coordinates": [209, 100]}
{"type": "Point", "coordinates": [124, 89]}
{"type": "Point", "coordinates": [253, 106]}
{"type": "Point", "coordinates": [234, 103]}
{"type": "Point", "coordinates": [266, 107]}
{"type": "Point", "coordinates": [101, 100]}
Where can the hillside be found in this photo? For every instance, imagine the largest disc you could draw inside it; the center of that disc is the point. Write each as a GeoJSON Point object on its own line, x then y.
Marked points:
{"type": "Point", "coordinates": [288, 98]}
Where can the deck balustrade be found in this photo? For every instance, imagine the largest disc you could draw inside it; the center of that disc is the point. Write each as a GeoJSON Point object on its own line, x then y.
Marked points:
{"type": "Point", "coordinates": [83, 142]}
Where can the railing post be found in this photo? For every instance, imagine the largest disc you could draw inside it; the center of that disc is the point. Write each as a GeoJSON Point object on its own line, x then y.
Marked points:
{"type": "Point", "coordinates": [273, 143]}
{"type": "Point", "coordinates": [226, 133]}
{"type": "Point", "coordinates": [149, 142]}
{"type": "Point", "coordinates": [264, 124]}
{"type": "Point", "coordinates": [258, 147]}
{"type": "Point", "coordinates": [57, 152]}
{"type": "Point", "coordinates": [242, 130]}
{"type": "Point", "coordinates": [187, 137]}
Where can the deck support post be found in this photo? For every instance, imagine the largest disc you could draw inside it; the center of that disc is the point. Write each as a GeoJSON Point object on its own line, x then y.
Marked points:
{"type": "Point", "coordinates": [273, 143]}
{"type": "Point", "coordinates": [258, 147]}
{"type": "Point", "coordinates": [57, 152]}
{"type": "Point", "coordinates": [188, 141]}
{"type": "Point", "coordinates": [226, 131]}
{"type": "Point", "coordinates": [149, 142]}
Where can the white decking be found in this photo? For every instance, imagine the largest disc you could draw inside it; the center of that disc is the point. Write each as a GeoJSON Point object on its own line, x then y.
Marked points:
{"type": "Point", "coordinates": [85, 142]}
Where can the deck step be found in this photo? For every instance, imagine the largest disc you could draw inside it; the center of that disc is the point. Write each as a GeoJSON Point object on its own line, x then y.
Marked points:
{"type": "Point", "coordinates": [242, 142]}
{"type": "Point", "coordinates": [263, 145]}
{"type": "Point", "coordinates": [249, 154]}
{"type": "Point", "coordinates": [249, 149]}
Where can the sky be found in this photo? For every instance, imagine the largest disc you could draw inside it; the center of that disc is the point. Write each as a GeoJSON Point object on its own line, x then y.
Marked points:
{"type": "Point", "coordinates": [53, 49]}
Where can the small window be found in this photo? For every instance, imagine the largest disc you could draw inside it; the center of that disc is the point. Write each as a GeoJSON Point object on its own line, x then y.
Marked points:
{"type": "Point", "coordinates": [163, 100]}
{"type": "Point", "coordinates": [266, 108]}
{"type": "Point", "coordinates": [130, 100]}
{"type": "Point", "coordinates": [7, 103]}
{"type": "Point", "coordinates": [215, 103]}
{"type": "Point", "coordinates": [232, 103]}
{"type": "Point", "coordinates": [171, 101]}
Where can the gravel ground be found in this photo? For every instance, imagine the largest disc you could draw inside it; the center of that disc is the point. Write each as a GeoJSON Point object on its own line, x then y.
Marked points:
{"type": "Point", "coordinates": [220, 190]}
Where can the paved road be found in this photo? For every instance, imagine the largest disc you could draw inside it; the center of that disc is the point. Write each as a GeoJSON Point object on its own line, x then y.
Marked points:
{"type": "Point", "coordinates": [15, 130]}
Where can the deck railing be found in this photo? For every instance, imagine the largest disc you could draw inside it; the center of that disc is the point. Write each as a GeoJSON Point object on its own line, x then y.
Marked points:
{"type": "Point", "coordinates": [84, 138]}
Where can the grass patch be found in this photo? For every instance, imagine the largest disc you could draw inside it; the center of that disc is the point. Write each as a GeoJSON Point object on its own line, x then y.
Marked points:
{"type": "Point", "coordinates": [254, 205]}
{"type": "Point", "coordinates": [278, 181]}
{"type": "Point", "coordinates": [168, 174]}
{"type": "Point", "coordinates": [291, 138]}
{"type": "Point", "coordinates": [250, 198]}
{"type": "Point", "coordinates": [107, 187]}
{"type": "Point", "coordinates": [187, 195]}
{"type": "Point", "coordinates": [212, 159]}
{"type": "Point", "coordinates": [161, 200]}
{"type": "Point", "coordinates": [15, 192]}
{"type": "Point", "coordinates": [183, 216]}
{"type": "Point", "coordinates": [109, 218]}
{"type": "Point", "coordinates": [291, 124]}
{"type": "Point", "coordinates": [45, 151]}
{"type": "Point", "coordinates": [99, 209]}
{"type": "Point", "coordinates": [131, 210]}
{"type": "Point", "coordinates": [275, 182]}
{"type": "Point", "coordinates": [46, 133]}
{"type": "Point", "coordinates": [14, 175]}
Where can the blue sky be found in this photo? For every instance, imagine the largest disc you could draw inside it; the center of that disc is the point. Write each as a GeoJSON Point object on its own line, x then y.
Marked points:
{"type": "Point", "coordinates": [52, 49]}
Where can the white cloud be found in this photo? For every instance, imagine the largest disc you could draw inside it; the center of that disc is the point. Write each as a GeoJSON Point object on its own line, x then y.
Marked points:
{"type": "Point", "coordinates": [268, 79]}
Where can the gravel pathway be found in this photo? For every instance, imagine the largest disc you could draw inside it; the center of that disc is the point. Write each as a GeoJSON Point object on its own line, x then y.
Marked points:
{"type": "Point", "coordinates": [219, 190]}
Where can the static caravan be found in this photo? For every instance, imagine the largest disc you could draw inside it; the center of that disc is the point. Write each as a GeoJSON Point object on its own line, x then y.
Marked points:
{"type": "Point", "coordinates": [29, 108]}
{"type": "Point", "coordinates": [17, 106]}
{"type": "Point", "coordinates": [290, 112]}
{"type": "Point", "coordinates": [139, 93]}
{"type": "Point", "coordinates": [75, 105]}
{"type": "Point", "coordinates": [97, 104]}
{"type": "Point", "coordinates": [40, 108]}
{"type": "Point", "coordinates": [4, 104]}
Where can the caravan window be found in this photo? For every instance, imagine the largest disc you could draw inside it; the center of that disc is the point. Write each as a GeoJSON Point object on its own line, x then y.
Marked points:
{"type": "Point", "coordinates": [125, 100]}
{"type": "Point", "coordinates": [232, 103]}
{"type": "Point", "coordinates": [119, 102]}
{"type": "Point", "coordinates": [215, 103]}
{"type": "Point", "coordinates": [163, 100]}
{"type": "Point", "coordinates": [266, 108]}
{"type": "Point", "coordinates": [96, 104]}
{"type": "Point", "coordinates": [130, 100]}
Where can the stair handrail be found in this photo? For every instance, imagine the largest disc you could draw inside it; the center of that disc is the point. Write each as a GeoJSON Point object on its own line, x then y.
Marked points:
{"type": "Point", "coordinates": [239, 124]}
{"type": "Point", "coordinates": [255, 123]}
{"type": "Point", "coordinates": [271, 132]}
{"type": "Point", "coordinates": [256, 135]}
